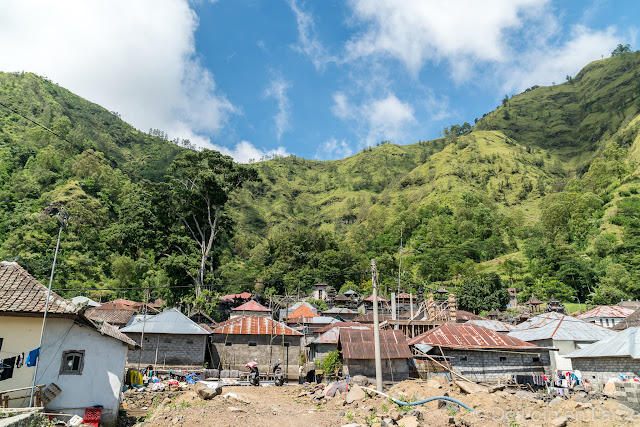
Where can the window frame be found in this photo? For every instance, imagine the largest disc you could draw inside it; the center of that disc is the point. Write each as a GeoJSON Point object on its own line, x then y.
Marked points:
{"type": "Point", "coordinates": [67, 353]}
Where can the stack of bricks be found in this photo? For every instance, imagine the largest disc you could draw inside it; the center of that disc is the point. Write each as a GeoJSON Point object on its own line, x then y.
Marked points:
{"type": "Point", "coordinates": [628, 393]}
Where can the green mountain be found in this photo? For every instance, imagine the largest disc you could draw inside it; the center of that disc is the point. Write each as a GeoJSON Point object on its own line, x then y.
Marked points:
{"type": "Point", "coordinates": [542, 190]}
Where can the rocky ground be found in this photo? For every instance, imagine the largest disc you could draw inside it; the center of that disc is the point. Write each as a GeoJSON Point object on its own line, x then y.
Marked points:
{"type": "Point", "coordinates": [307, 406]}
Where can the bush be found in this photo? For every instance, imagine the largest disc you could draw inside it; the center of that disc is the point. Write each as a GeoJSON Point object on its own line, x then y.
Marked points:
{"type": "Point", "coordinates": [331, 364]}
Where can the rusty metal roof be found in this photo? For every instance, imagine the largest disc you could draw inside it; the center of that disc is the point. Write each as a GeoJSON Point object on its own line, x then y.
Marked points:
{"type": "Point", "coordinates": [467, 315]}
{"type": "Point", "coordinates": [358, 344]}
{"type": "Point", "coordinates": [342, 325]}
{"type": "Point", "coordinates": [630, 321]}
{"type": "Point", "coordinates": [253, 325]}
{"type": "Point", "coordinates": [331, 336]}
{"type": "Point", "coordinates": [559, 327]}
{"type": "Point", "coordinates": [468, 336]}
{"type": "Point", "coordinates": [606, 311]}
{"type": "Point", "coordinates": [252, 305]}
{"type": "Point", "coordinates": [20, 292]}
{"type": "Point", "coordinates": [368, 318]}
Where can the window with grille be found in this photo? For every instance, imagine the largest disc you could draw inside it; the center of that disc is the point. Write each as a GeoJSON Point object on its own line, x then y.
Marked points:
{"type": "Point", "coordinates": [72, 362]}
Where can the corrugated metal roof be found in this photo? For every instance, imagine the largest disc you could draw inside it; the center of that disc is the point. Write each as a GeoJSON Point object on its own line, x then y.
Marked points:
{"type": "Point", "coordinates": [632, 320]}
{"type": "Point", "coordinates": [494, 325]}
{"type": "Point", "coordinates": [21, 292]}
{"type": "Point", "coordinates": [302, 311]}
{"type": "Point", "coordinates": [467, 315]}
{"type": "Point", "coordinates": [368, 318]}
{"type": "Point", "coordinates": [317, 320]}
{"type": "Point", "coordinates": [331, 336]}
{"type": "Point", "coordinates": [559, 327]}
{"type": "Point", "coordinates": [115, 314]}
{"type": "Point", "coordinates": [606, 311]}
{"type": "Point", "coordinates": [168, 322]}
{"type": "Point", "coordinates": [253, 325]}
{"type": "Point", "coordinates": [252, 305]}
{"type": "Point", "coordinates": [622, 344]}
{"type": "Point", "coordinates": [338, 310]}
{"type": "Point", "coordinates": [342, 325]}
{"type": "Point", "coordinates": [468, 336]}
{"type": "Point", "coordinates": [285, 311]}
{"type": "Point", "coordinates": [358, 344]}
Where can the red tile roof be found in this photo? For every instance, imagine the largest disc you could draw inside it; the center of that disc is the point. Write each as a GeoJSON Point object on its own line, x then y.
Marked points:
{"type": "Point", "coordinates": [20, 292]}
{"type": "Point", "coordinates": [380, 299]}
{"type": "Point", "coordinates": [468, 336]}
{"type": "Point", "coordinates": [253, 325]}
{"type": "Point", "coordinates": [358, 344]}
{"type": "Point", "coordinates": [252, 305]}
{"type": "Point", "coordinates": [116, 314]}
{"type": "Point", "coordinates": [405, 296]}
{"type": "Point", "coordinates": [231, 297]}
{"type": "Point", "coordinates": [302, 311]}
{"type": "Point", "coordinates": [606, 311]}
{"type": "Point", "coordinates": [124, 302]}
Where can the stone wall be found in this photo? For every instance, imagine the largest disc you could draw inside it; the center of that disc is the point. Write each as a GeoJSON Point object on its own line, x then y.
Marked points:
{"type": "Point", "coordinates": [392, 370]}
{"type": "Point", "coordinates": [490, 366]}
{"type": "Point", "coordinates": [599, 370]}
{"type": "Point", "coordinates": [172, 349]}
{"type": "Point", "coordinates": [233, 351]}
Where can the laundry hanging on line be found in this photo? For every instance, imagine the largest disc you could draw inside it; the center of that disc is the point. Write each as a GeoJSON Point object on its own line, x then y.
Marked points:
{"type": "Point", "coordinates": [6, 368]}
{"type": "Point", "coordinates": [32, 357]}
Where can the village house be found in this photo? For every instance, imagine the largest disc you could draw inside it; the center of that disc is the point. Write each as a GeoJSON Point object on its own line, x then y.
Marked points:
{"type": "Point", "coordinates": [562, 332]}
{"type": "Point", "coordinates": [610, 357]}
{"type": "Point", "coordinates": [342, 314]}
{"type": "Point", "coordinates": [366, 305]}
{"type": "Point", "coordinates": [170, 338]}
{"type": "Point", "coordinates": [606, 315]}
{"type": "Point", "coordinates": [239, 340]}
{"type": "Point", "coordinates": [285, 312]}
{"type": "Point", "coordinates": [80, 360]}
{"type": "Point", "coordinates": [484, 355]}
{"type": "Point", "coordinates": [328, 339]}
{"type": "Point", "coordinates": [250, 308]}
{"type": "Point", "coordinates": [320, 291]}
{"type": "Point", "coordinates": [358, 355]}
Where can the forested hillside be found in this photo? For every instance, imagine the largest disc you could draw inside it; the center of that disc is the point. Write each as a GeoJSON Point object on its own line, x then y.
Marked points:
{"type": "Point", "coordinates": [543, 190]}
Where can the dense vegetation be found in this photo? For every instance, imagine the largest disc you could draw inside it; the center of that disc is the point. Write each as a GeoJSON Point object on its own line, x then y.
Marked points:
{"type": "Point", "coordinates": [542, 191]}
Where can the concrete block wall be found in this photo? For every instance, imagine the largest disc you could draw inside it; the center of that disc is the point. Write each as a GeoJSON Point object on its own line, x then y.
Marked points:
{"type": "Point", "coordinates": [628, 393]}
{"type": "Point", "coordinates": [392, 370]}
{"type": "Point", "coordinates": [600, 369]}
{"type": "Point", "coordinates": [172, 349]}
{"type": "Point", "coordinates": [234, 351]}
{"type": "Point", "coordinates": [487, 366]}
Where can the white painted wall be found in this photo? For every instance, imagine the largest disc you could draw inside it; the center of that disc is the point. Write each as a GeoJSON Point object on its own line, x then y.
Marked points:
{"type": "Point", "coordinates": [102, 375]}
{"type": "Point", "coordinates": [19, 335]}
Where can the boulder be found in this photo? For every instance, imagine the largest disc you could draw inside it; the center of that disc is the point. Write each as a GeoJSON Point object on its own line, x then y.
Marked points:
{"type": "Point", "coordinates": [409, 422]}
{"type": "Point", "coordinates": [394, 414]}
{"type": "Point", "coordinates": [355, 394]}
{"type": "Point", "coordinates": [496, 387]}
{"type": "Point", "coordinates": [360, 380]}
{"type": "Point", "coordinates": [559, 422]}
{"type": "Point", "coordinates": [555, 401]}
{"type": "Point", "coordinates": [470, 388]}
{"type": "Point", "coordinates": [207, 393]}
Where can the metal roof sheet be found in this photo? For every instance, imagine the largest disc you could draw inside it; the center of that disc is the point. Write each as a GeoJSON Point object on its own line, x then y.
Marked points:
{"type": "Point", "coordinates": [632, 320]}
{"type": "Point", "coordinates": [21, 292]}
{"type": "Point", "coordinates": [302, 311]}
{"type": "Point", "coordinates": [80, 299]}
{"type": "Point", "coordinates": [342, 325]}
{"type": "Point", "coordinates": [622, 344]}
{"type": "Point", "coordinates": [331, 336]}
{"type": "Point", "coordinates": [168, 322]}
{"type": "Point", "coordinates": [253, 325]}
{"type": "Point", "coordinates": [252, 305]}
{"type": "Point", "coordinates": [368, 318]}
{"type": "Point", "coordinates": [469, 336]}
{"type": "Point", "coordinates": [358, 344]}
{"type": "Point", "coordinates": [606, 311]}
{"type": "Point", "coordinates": [494, 325]}
{"type": "Point", "coordinates": [467, 315]}
{"type": "Point", "coordinates": [339, 310]}
{"type": "Point", "coordinates": [317, 320]}
{"type": "Point", "coordinates": [559, 327]}
{"type": "Point", "coordinates": [116, 315]}
{"type": "Point", "coordinates": [285, 311]}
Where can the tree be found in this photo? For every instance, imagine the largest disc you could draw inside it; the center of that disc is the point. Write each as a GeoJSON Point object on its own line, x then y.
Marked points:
{"type": "Point", "coordinates": [482, 292]}
{"type": "Point", "coordinates": [197, 189]}
{"type": "Point", "coordinates": [620, 49]}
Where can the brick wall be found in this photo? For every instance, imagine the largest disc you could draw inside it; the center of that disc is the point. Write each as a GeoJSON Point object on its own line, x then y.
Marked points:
{"type": "Point", "coordinates": [172, 349]}
{"type": "Point", "coordinates": [490, 366]}
{"type": "Point", "coordinates": [599, 370]}
{"type": "Point", "coordinates": [236, 351]}
{"type": "Point", "coordinates": [392, 370]}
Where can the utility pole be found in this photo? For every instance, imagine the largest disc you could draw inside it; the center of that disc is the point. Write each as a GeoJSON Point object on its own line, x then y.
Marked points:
{"type": "Point", "coordinates": [397, 315]}
{"type": "Point", "coordinates": [144, 322]}
{"type": "Point", "coordinates": [63, 216]}
{"type": "Point", "coordinates": [376, 326]}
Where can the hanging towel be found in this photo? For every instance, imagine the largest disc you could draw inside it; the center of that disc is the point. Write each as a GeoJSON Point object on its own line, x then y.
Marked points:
{"type": "Point", "coordinates": [32, 357]}
{"type": "Point", "coordinates": [6, 368]}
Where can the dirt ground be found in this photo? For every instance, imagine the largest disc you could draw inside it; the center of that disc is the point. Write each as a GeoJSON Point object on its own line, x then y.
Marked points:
{"type": "Point", "coordinates": [299, 406]}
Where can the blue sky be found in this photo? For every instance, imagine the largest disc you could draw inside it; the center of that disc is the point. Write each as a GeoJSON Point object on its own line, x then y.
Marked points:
{"type": "Point", "coordinates": [318, 79]}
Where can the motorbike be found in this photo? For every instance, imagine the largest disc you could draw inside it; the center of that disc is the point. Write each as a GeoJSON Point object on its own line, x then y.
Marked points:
{"type": "Point", "coordinates": [277, 374]}
{"type": "Point", "coordinates": [254, 375]}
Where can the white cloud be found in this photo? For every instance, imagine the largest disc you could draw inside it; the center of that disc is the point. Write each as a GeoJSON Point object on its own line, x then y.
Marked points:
{"type": "Point", "coordinates": [333, 149]}
{"type": "Point", "coordinates": [308, 43]}
{"type": "Point", "coordinates": [384, 118]}
{"type": "Point", "coordinates": [245, 151]}
{"type": "Point", "coordinates": [553, 64]}
{"type": "Point", "coordinates": [277, 90]}
{"type": "Point", "coordinates": [417, 31]}
{"type": "Point", "coordinates": [136, 58]}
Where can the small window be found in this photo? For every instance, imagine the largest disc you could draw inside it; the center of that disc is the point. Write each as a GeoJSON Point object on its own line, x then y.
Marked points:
{"type": "Point", "coordinates": [167, 340]}
{"type": "Point", "coordinates": [607, 320]}
{"type": "Point", "coordinates": [463, 358]}
{"type": "Point", "coordinates": [503, 358]}
{"type": "Point", "coordinates": [72, 362]}
{"type": "Point", "coordinates": [189, 341]}
{"type": "Point", "coordinates": [252, 343]}
{"type": "Point", "coordinates": [287, 344]}
{"type": "Point", "coordinates": [228, 344]}
{"type": "Point", "coordinates": [535, 359]}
